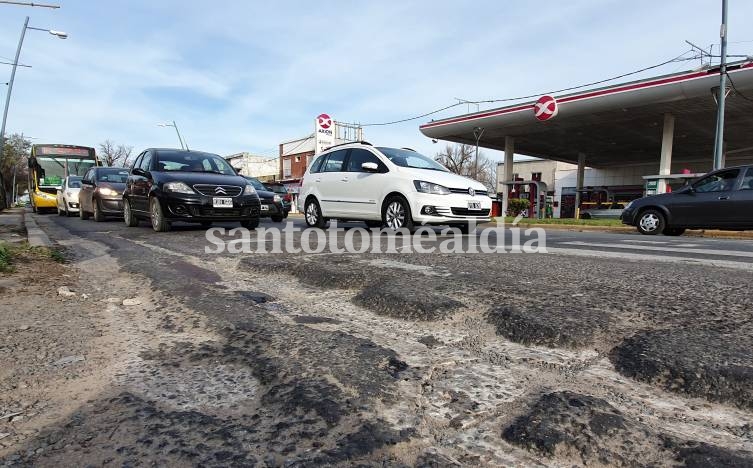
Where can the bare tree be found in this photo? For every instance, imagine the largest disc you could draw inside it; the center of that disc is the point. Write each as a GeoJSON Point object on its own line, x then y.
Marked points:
{"type": "Point", "coordinates": [13, 161]}
{"type": "Point", "coordinates": [114, 156]}
{"type": "Point", "coordinates": [460, 160]}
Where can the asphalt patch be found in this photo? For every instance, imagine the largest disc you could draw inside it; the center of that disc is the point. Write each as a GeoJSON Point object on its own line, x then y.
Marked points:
{"type": "Point", "coordinates": [589, 431]}
{"type": "Point", "coordinates": [549, 326]}
{"type": "Point", "coordinates": [334, 272]}
{"type": "Point", "coordinates": [406, 300]}
{"type": "Point", "coordinates": [313, 320]}
{"type": "Point", "coordinates": [703, 363]}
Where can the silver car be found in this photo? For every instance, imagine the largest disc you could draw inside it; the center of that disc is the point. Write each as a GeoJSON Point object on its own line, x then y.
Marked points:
{"type": "Point", "coordinates": [607, 211]}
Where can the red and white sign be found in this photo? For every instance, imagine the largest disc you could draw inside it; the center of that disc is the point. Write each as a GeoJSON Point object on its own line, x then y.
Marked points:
{"type": "Point", "coordinates": [324, 121]}
{"type": "Point", "coordinates": [546, 108]}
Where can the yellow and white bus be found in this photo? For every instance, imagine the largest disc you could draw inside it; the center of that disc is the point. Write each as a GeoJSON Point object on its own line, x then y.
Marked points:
{"type": "Point", "coordinates": [49, 164]}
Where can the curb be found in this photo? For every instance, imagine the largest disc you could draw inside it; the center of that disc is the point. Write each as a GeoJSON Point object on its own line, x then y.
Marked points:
{"type": "Point", "coordinates": [35, 235]}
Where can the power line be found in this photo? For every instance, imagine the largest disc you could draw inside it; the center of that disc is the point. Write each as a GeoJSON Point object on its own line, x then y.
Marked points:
{"type": "Point", "coordinates": [289, 152]}
{"type": "Point", "coordinates": [572, 88]}
{"type": "Point", "coordinates": [737, 91]}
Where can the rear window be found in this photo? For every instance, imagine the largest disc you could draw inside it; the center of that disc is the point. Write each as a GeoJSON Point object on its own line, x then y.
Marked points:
{"type": "Point", "coordinates": [119, 176]}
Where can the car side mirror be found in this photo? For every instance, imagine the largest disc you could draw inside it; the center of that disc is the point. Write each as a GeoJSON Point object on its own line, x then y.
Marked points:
{"type": "Point", "coordinates": [689, 190]}
{"type": "Point", "coordinates": [86, 182]}
{"type": "Point", "coordinates": [139, 172]}
{"type": "Point", "coordinates": [370, 167]}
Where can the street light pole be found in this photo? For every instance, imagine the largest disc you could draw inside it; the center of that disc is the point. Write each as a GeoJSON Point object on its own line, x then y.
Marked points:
{"type": "Point", "coordinates": [478, 132]}
{"type": "Point", "coordinates": [719, 140]}
{"type": "Point", "coordinates": [175, 126]}
{"type": "Point", "coordinates": [59, 34]}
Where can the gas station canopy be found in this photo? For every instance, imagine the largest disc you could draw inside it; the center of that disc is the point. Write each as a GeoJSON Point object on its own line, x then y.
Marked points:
{"type": "Point", "coordinates": [620, 124]}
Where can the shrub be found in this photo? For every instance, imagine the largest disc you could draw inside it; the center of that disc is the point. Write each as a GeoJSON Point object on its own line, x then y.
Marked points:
{"type": "Point", "coordinates": [516, 205]}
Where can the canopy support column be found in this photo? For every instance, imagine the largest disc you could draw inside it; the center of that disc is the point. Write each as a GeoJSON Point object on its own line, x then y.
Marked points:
{"type": "Point", "coordinates": [665, 163]}
{"type": "Point", "coordinates": [579, 183]}
{"type": "Point", "coordinates": [508, 166]}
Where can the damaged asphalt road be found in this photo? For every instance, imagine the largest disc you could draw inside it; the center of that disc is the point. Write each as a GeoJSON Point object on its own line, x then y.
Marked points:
{"type": "Point", "coordinates": [396, 360]}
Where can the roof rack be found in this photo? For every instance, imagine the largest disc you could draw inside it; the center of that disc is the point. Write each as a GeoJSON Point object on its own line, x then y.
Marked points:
{"type": "Point", "coordinates": [409, 149]}
{"type": "Point", "coordinates": [348, 143]}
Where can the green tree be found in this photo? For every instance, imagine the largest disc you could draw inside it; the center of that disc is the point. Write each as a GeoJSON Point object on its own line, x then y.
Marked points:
{"type": "Point", "coordinates": [14, 159]}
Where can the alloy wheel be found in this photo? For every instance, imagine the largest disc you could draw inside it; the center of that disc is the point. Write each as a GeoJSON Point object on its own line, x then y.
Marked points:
{"type": "Point", "coordinates": [395, 215]}
{"type": "Point", "coordinates": [649, 222]}
{"type": "Point", "coordinates": [312, 214]}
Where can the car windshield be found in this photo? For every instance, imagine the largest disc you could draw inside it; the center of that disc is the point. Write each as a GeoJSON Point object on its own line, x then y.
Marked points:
{"type": "Point", "coordinates": [116, 176]}
{"type": "Point", "coordinates": [408, 158]}
{"type": "Point", "coordinates": [191, 161]}
{"type": "Point", "coordinates": [256, 184]}
{"type": "Point", "coordinates": [74, 182]}
{"type": "Point", "coordinates": [277, 189]}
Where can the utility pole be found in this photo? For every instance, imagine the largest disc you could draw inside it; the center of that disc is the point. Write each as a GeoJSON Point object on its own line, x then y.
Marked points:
{"type": "Point", "coordinates": [719, 140]}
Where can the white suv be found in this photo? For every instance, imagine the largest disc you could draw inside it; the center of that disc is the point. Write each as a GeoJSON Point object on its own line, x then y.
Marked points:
{"type": "Point", "coordinates": [395, 187]}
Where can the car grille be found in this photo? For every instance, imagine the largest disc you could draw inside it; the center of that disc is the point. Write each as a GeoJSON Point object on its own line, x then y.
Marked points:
{"type": "Point", "coordinates": [211, 190]}
{"type": "Point", "coordinates": [222, 213]}
{"type": "Point", "coordinates": [465, 191]}
{"type": "Point", "coordinates": [467, 212]}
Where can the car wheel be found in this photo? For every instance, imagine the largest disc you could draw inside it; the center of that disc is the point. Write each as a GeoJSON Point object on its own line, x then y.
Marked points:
{"type": "Point", "coordinates": [674, 231]}
{"type": "Point", "coordinates": [159, 223]}
{"type": "Point", "coordinates": [314, 216]}
{"type": "Point", "coordinates": [651, 222]}
{"type": "Point", "coordinates": [81, 213]}
{"type": "Point", "coordinates": [585, 216]}
{"type": "Point", "coordinates": [277, 218]}
{"type": "Point", "coordinates": [250, 223]}
{"type": "Point", "coordinates": [130, 219]}
{"type": "Point", "coordinates": [60, 212]}
{"type": "Point", "coordinates": [396, 213]}
{"type": "Point", "coordinates": [97, 211]}
{"type": "Point", "coordinates": [373, 224]}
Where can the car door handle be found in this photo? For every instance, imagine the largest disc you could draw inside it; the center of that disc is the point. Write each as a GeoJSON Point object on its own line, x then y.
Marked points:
{"type": "Point", "coordinates": [344, 179]}
{"type": "Point", "coordinates": [318, 180]}
{"type": "Point", "coordinates": [724, 197]}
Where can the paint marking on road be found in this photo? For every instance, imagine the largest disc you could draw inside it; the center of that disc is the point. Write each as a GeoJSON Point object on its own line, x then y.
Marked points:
{"type": "Point", "coordinates": [726, 253]}
{"type": "Point", "coordinates": [644, 241]}
{"type": "Point", "coordinates": [651, 258]}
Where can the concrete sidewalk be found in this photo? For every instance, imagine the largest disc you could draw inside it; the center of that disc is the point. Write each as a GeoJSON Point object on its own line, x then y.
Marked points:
{"type": "Point", "coordinates": [710, 233]}
{"type": "Point", "coordinates": [18, 224]}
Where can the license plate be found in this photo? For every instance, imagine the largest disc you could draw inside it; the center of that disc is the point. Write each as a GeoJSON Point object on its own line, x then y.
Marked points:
{"type": "Point", "coordinates": [222, 202]}
{"type": "Point", "coordinates": [474, 205]}
{"type": "Point", "coordinates": [265, 207]}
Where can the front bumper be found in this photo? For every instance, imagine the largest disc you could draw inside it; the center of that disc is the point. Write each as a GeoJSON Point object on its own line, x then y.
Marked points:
{"type": "Point", "coordinates": [269, 208]}
{"type": "Point", "coordinates": [450, 209]}
{"type": "Point", "coordinates": [200, 208]}
{"type": "Point", "coordinates": [628, 217]}
{"type": "Point", "coordinates": [111, 205]}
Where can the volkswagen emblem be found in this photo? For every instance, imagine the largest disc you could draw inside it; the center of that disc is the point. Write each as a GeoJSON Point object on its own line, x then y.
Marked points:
{"type": "Point", "coordinates": [471, 192]}
{"type": "Point", "coordinates": [219, 191]}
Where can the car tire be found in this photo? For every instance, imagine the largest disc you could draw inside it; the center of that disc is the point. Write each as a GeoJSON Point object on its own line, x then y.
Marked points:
{"type": "Point", "coordinates": [396, 213]}
{"type": "Point", "coordinates": [60, 212]}
{"type": "Point", "coordinates": [250, 223]}
{"type": "Point", "coordinates": [157, 216]}
{"type": "Point", "coordinates": [674, 231]}
{"type": "Point", "coordinates": [81, 213]}
{"type": "Point", "coordinates": [373, 224]}
{"type": "Point", "coordinates": [130, 219]}
{"type": "Point", "coordinates": [585, 216]}
{"type": "Point", "coordinates": [278, 218]}
{"type": "Point", "coordinates": [97, 211]}
{"type": "Point", "coordinates": [651, 222]}
{"type": "Point", "coordinates": [313, 214]}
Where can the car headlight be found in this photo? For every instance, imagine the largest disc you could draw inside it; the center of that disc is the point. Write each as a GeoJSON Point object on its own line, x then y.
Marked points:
{"type": "Point", "coordinates": [277, 199]}
{"type": "Point", "coordinates": [429, 187]}
{"type": "Point", "coordinates": [249, 190]}
{"type": "Point", "coordinates": [108, 192]}
{"type": "Point", "coordinates": [177, 187]}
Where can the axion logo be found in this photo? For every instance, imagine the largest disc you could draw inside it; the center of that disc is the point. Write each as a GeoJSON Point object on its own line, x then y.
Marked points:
{"type": "Point", "coordinates": [324, 121]}
{"type": "Point", "coordinates": [545, 108]}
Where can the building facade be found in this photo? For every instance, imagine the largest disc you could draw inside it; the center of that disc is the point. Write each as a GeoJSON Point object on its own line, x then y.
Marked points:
{"type": "Point", "coordinates": [263, 168]}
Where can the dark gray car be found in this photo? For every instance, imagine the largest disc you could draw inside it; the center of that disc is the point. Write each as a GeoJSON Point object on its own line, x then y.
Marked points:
{"type": "Point", "coordinates": [721, 199]}
{"type": "Point", "coordinates": [101, 193]}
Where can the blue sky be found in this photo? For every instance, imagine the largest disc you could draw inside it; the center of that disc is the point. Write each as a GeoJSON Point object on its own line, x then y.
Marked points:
{"type": "Point", "coordinates": [245, 75]}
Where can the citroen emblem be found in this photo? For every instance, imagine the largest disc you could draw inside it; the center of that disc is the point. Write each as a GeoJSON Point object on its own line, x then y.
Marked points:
{"type": "Point", "coordinates": [220, 190]}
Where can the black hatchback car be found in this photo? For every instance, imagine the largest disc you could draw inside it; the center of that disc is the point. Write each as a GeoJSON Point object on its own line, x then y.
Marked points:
{"type": "Point", "coordinates": [167, 185]}
{"type": "Point", "coordinates": [101, 194]}
{"type": "Point", "coordinates": [722, 199]}
{"type": "Point", "coordinates": [271, 203]}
